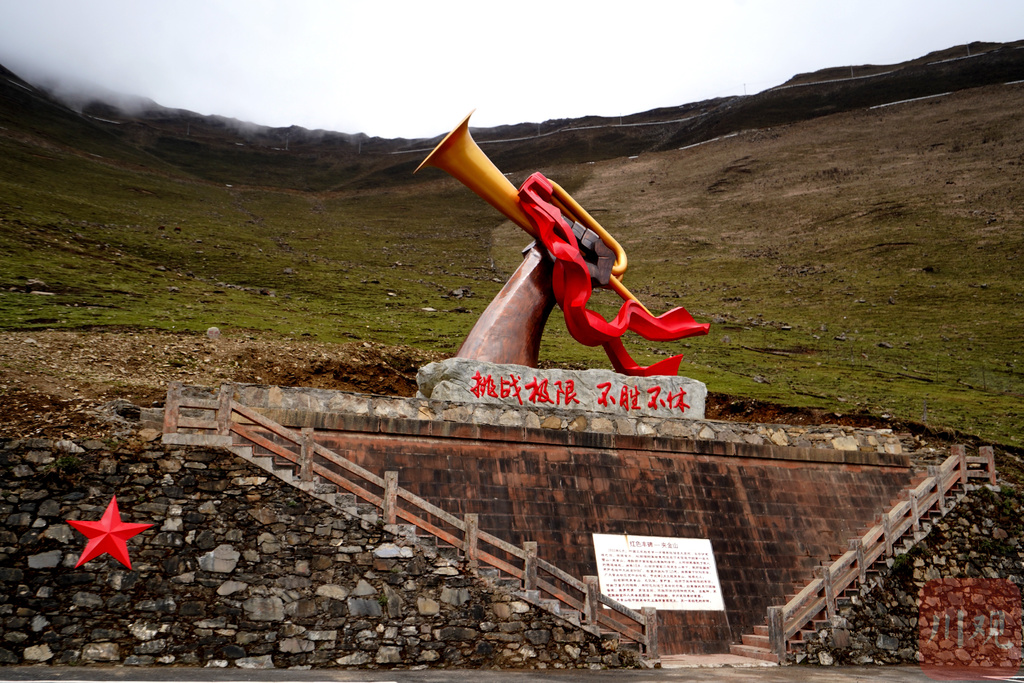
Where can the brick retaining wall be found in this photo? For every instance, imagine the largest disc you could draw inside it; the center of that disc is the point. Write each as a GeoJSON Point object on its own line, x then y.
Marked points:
{"type": "Point", "coordinates": [772, 512]}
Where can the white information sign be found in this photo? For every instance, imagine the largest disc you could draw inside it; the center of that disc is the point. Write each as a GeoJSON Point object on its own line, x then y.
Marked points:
{"type": "Point", "coordinates": [654, 571]}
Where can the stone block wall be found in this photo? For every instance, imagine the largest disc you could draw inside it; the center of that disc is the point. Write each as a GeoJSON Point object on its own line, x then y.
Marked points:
{"type": "Point", "coordinates": [240, 571]}
{"type": "Point", "coordinates": [292, 405]}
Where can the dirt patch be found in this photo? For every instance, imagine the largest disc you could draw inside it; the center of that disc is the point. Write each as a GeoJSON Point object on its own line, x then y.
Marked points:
{"type": "Point", "coordinates": [60, 384]}
{"type": "Point", "coordinates": [71, 384]}
{"type": "Point", "coordinates": [364, 367]}
{"type": "Point", "coordinates": [725, 407]}
{"type": "Point", "coordinates": [28, 412]}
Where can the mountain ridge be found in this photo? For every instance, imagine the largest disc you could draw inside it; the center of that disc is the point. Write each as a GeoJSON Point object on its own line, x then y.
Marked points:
{"type": "Point", "coordinates": [339, 159]}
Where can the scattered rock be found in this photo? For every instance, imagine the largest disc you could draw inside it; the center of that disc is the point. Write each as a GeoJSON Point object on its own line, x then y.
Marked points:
{"type": "Point", "coordinates": [231, 587]}
{"type": "Point", "coordinates": [149, 434]}
{"type": "Point", "coordinates": [38, 653]}
{"type": "Point", "coordinates": [101, 652]}
{"type": "Point", "coordinates": [68, 447]}
{"type": "Point", "coordinates": [223, 560]}
{"type": "Point", "coordinates": [331, 591]}
{"type": "Point", "coordinates": [264, 609]}
{"type": "Point", "coordinates": [45, 560]}
{"type": "Point", "coordinates": [261, 662]}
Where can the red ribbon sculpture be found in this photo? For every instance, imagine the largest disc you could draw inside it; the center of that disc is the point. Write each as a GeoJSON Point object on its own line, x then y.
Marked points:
{"type": "Point", "coordinates": [573, 288]}
{"type": "Point", "coordinates": [509, 330]}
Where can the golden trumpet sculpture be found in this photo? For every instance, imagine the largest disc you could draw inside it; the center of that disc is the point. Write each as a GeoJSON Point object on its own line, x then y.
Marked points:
{"type": "Point", "coordinates": [459, 155]}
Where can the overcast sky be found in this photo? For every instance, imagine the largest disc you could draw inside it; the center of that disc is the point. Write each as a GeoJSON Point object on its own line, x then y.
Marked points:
{"type": "Point", "coordinates": [414, 69]}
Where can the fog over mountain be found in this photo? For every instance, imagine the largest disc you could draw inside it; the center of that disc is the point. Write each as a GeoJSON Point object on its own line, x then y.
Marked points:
{"type": "Point", "coordinates": [410, 69]}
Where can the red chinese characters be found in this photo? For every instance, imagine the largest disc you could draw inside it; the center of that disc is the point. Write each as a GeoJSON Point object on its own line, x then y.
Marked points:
{"type": "Point", "coordinates": [483, 385]}
{"type": "Point", "coordinates": [629, 398]}
{"type": "Point", "coordinates": [563, 393]}
{"type": "Point", "coordinates": [538, 391]}
{"type": "Point", "coordinates": [510, 387]}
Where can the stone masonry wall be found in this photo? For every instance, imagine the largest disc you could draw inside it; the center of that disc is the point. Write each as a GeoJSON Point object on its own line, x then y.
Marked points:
{"type": "Point", "coordinates": [240, 570]}
{"type": "Point", "coordinates": [281, 403]}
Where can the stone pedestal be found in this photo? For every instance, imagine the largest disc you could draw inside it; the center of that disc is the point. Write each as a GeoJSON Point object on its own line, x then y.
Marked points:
{"type": "Point", "coordinates": [602, 391]}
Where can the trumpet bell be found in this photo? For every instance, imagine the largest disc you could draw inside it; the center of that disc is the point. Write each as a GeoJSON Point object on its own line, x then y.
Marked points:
{"type": "Point", "coordinates": [460, 156]}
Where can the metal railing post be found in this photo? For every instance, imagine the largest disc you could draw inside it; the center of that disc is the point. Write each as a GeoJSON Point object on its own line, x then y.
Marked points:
{"type": "Point", "coordinates": [306, 455]}
{"type": "Point", "coordinates": [887, 532]}
{"type": "Point", "coordinates": [989, 454]}
{"type": "Point", "coordinates": [857, 545]}
{"type": "Point", "coordinates": [961, 456]}
{"type": "Point", "coordinates": [825, 574]}
{"type": "Point", "coordinates": [916, 524]}
{"type": "Point", "coordinates": [224, 409]}
{"type": "Point", "coordinates": [172, 408]}
{"type": "Point", "coordinates": [935, 472]}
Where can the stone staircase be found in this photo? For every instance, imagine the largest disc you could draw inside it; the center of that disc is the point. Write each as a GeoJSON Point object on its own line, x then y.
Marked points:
{"type": "Point", "coordinates": [328, 492]}
{"type": "Point", "coordinates": [293, 455]}
{"type": "Point", "coordinates": [195, 417]}
{"type": "Point", "coordinates": [788, 628]}
{"type": "Point", "coordinates": [758, 645]}
{"type": "Point", "coordinates": [755, 645]}
{"type": "Point", "coordinates": [289, 472]}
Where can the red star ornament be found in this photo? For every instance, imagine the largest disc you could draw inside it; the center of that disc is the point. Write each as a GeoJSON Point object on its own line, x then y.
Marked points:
{"type": "Point", "coordinates": [109, 535]}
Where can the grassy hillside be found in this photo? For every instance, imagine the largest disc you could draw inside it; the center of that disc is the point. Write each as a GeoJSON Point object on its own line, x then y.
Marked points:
{"type": "Point", "coordinates": [865, 261]}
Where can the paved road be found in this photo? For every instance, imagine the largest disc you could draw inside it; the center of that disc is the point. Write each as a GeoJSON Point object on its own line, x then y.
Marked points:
{"type": "Point", "coordinates": [42, 674]}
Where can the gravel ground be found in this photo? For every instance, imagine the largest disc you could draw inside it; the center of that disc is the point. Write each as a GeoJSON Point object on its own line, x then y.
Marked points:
{"type": "Point", "coordinates": [72, 384]}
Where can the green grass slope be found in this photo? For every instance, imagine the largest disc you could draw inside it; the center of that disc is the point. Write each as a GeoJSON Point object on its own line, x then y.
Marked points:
{"type": "Point", "coordinates": [865, 261]}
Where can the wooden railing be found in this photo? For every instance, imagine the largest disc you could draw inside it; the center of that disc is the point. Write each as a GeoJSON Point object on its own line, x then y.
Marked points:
{"type": "Point", "coordinates": [877, 543]}
{"type": "Point", "coordinates": [538, 577]}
